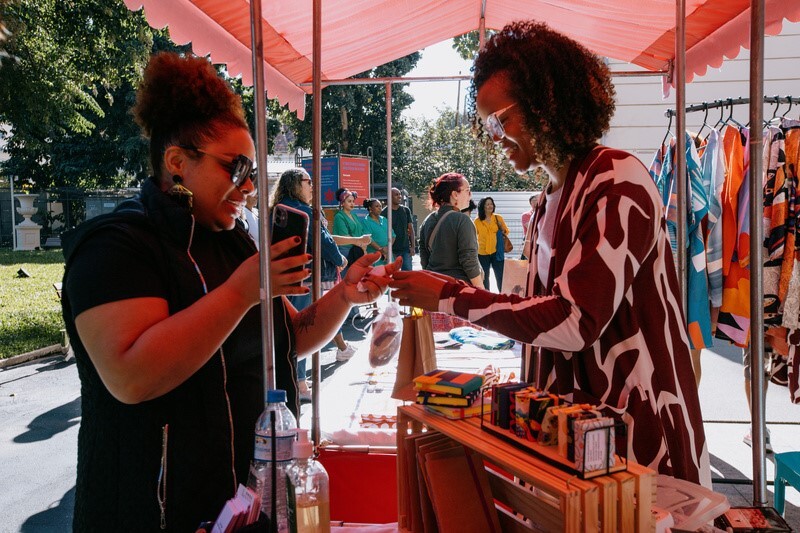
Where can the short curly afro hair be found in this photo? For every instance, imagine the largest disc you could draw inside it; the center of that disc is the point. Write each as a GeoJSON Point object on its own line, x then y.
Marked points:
{"type": "Point", "coordinates": [182, 101]}
{"type": "Point", "coordinates": [563, 90]}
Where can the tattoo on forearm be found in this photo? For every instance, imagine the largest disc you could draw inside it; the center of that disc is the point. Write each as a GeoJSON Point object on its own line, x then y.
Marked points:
{"type": "Point", "coordinates": [305, 319]}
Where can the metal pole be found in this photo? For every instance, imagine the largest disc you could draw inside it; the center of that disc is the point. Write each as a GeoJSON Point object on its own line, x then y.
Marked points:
{"type": "Point", "coordinates": [316, 171]}
{"type": "Point", "coordinates": [389, 166]}
{"type": "Point", "coordinates": [268, 342]}
{"type": "Point", "coordinates": [756, 240]}
{"type": "Point", "coordinates": [13, 211]}
{"type": "Point", "coordinates": [680, 144]}
{"type": "Point", "coordinates": [458, 102]}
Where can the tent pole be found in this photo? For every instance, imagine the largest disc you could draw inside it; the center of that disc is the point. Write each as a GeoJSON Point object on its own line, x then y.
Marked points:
{"type": "Point", "coordinates": [389, 168]}
{"type": "Point", "coordinates": [316, 172]}
{"type": "Point", "coordinates": [260, 95]}
{"type": "Point", "coordinates": [756, 207]}
{"type": "Point", "coordinates": [680, 145]}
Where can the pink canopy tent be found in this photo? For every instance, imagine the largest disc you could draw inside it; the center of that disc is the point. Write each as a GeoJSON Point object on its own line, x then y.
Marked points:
{"type": "Point", "coordinates": [361, 34]}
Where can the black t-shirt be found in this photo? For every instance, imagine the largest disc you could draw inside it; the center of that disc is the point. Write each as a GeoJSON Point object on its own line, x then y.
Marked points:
{"type": "Point", "coordinates": [401, 218]}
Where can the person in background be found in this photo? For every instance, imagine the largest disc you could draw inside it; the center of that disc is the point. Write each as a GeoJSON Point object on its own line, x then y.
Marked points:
{"type": "Point", "coordinates": [294, 189]}
{"type": "Point", "coordinates": [604, 310]}
{"type": "Point", "coordinates": [348, 231]}
{"type": "Point", "coordinates": [526, 216]}
{"type": "Point", "coordinates": [453, 250]}
{"type": "Point", "coordinates": [490, 227]}
{"type": "Point", "coordinates": [250, 217]}
{"type": "Point", "coordinates": [162, 300]}
{"type": "Point", "coordinates": [404, 244]}
{"type": "Point", "coordinates": [377, 227]}
{"type": "Point", "coordinates": [471, 207]}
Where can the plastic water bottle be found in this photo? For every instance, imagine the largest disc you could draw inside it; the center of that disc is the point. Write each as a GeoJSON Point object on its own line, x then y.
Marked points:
{"type": "Point", "coordinates": [260, 479]}
{"type": "Point", "coordinates": [309, 495]}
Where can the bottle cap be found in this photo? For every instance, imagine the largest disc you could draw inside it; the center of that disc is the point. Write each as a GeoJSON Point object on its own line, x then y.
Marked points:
{"type": "Point", "coordinates": [276, 396]}
{"type": "Point", "coordinates": [302, 448]}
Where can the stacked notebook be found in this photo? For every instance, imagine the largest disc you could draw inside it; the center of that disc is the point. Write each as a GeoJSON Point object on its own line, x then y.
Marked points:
{"type": "Point", "coordinates": [449, 393]}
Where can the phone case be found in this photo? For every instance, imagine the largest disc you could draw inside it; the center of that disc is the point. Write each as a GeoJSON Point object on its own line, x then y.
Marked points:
{"type": "Point", "coordinates": [289, 222]}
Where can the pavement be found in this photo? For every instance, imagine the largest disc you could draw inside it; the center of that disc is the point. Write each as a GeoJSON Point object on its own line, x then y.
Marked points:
{"type": "Point", "coordinates": [40, 415]}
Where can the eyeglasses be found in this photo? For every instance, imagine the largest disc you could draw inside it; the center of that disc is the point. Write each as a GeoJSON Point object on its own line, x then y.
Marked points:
{"type": "Point", "coordinates": [241, 167]}
{"type": "Point", "coordinates": [307, 180]}
{"type": "Point", "coordinates": [494, 123]}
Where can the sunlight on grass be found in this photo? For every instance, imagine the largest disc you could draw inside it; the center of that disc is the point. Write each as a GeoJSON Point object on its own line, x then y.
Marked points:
{"type": "Point", "coordinates": [30, 311]}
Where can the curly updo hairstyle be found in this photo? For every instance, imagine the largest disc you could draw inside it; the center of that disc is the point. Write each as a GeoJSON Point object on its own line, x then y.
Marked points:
{"type": "Point", "coordinates": [564, 91]}
{"type": "Point", "coordinates": [443, 188]}
{"type": "Point", "coordinates": [181, 101]}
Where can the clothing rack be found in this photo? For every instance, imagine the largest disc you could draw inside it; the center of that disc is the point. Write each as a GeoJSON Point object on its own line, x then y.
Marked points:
{"type": "Point", "coordinates": [705, 106]}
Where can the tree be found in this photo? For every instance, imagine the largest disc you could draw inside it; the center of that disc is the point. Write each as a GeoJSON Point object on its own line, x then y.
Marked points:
{"type": "Point", "coordinates": [74, 59]}
{"type": "Point", "coordinates": [354, 118]}
{"type": "Point", "coordinates": [439, 146]}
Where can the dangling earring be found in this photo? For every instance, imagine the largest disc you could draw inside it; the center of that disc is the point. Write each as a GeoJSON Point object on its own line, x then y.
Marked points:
{"type": "Point", "coordinates": [179, 193]}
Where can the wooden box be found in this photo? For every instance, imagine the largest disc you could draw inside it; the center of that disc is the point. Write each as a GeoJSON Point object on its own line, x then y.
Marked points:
{"type": "Point", "coordinates": [550, 499]}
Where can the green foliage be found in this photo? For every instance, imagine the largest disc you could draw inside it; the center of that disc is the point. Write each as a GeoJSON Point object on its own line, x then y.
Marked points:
{"type": "Point", "coordinates": [30, 311]}
{"type": "Point", "coordinates": [467, 44]}
{"type": "Point", "coordinates": [73, 60]}
{"type": "Point", "coordinates": [439, 146]}
{"type": "Point", "coordinates": [354, 117]}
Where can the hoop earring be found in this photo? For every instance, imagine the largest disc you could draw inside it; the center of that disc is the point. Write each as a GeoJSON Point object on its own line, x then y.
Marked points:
{"type": "Point", "coordinates": [179, 193]}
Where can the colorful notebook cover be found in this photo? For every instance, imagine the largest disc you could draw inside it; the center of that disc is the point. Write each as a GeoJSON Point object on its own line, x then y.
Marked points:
{"type": "Point", "coordinates": [457, 413]}
{"type": "Point", "coordinates": [450, 400]}
{"type": "Point", "coordinates": [448, 382]}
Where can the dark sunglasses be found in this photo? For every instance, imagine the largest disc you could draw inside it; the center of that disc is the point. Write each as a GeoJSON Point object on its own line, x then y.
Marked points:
{"type": "Point", "coordinates": [241, 167]}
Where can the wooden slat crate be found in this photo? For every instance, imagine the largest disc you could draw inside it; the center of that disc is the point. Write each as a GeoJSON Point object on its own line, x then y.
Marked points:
{"type": "Point", "coordinates": [551, 499]}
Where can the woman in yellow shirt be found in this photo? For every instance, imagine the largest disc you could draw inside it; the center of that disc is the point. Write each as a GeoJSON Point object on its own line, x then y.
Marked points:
{"type": "Point", "coordinates": [490, 244]}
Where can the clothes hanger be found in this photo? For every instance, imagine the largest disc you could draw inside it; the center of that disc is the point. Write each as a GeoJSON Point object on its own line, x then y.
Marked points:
{"type": "Point", "coordinates": [669, 130]}
{"type": "Point", "coordinates": [705, 118]}
{"type": "Point", "coordinates": [730, 115]}
{"type": "Point", "coordinates": [791, 103]}
{"type": "Point", "coordinates": [721, 121]}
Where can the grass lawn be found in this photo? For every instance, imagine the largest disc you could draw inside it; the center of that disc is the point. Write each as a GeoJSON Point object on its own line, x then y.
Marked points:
{"type": "Point", "coordinates": [30, 311]}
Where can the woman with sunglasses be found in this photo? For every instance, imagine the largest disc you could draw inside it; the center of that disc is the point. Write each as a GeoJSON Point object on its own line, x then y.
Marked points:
{"type": "Point", "coordinates": [448, 243]}
{"type": "Point", "coordinates": [161, 302]}
{"type": "Point", "coordinates": [603, 310]}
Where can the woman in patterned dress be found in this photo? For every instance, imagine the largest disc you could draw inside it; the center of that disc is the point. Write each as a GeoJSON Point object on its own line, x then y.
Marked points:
{"type": "Point", "coordinates": [602, 316]}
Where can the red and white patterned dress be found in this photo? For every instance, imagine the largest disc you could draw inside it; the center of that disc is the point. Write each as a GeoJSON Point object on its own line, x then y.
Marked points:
{"type": "Point", "coordinates": [608, 327]}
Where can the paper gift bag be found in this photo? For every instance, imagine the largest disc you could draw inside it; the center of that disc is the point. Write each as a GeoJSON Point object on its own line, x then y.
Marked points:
{"type": "Point", "coordinates": [417, 355]}
{"type": "Point", "coordinates": [515, 276]}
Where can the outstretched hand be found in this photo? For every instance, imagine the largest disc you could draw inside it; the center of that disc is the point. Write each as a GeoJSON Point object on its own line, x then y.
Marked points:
{"type": "Point", "coordinates": [374, 285]}
{"type": "Point", "coordinates": [419, 288]}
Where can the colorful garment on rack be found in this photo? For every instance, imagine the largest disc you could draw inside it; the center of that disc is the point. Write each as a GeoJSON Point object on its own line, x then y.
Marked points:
{"type": "Point", "coordinates": [698, 314]}
{"type": "Point", "coordinates": [734, 318]}
{"type": "Point", "coordinates": [713, 168]}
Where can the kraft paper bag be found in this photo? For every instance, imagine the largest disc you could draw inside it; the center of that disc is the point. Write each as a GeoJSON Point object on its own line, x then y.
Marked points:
{"type": "Point", "coordinates": [417, 355]}
{"type": "Point", "coordinates": [515, 276]}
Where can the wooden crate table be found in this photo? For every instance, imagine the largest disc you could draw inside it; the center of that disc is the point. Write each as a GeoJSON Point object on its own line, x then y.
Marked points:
{"type": "Point", "coordinates": [556, 500]}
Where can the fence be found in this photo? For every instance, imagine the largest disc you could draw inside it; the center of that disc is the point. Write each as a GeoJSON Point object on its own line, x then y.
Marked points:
{"type": "Point", "coordinates": [59, 209]}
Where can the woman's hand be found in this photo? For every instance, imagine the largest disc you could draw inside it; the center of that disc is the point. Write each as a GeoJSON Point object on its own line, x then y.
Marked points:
{"type": "Point", "coordinates": [247, 278]}
{"type": "Point", "coordinates": [419, 289]}
{"type": "Point", "coordinates": [375, 285]}
{"type": "Point", "coordinates": [283, 281]}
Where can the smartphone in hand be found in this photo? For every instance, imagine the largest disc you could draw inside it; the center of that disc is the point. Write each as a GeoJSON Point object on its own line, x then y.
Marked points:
{"type": "Point", "coordinates": [288, 222]}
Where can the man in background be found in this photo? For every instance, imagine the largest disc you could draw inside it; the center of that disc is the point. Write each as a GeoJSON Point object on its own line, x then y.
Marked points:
{"type": "Point", "coordinates": [403, 226]}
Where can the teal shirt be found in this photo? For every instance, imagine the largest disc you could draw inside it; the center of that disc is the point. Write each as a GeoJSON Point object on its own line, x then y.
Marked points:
{"type": "Point", "coordinates": [379, 231]}
{"type": "Point", "coordinates": [348, 227]}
